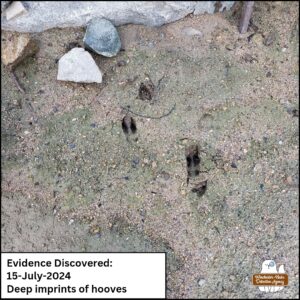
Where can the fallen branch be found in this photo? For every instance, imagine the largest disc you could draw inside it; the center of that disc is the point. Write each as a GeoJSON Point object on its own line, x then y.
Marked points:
{"type": "Point", "coordinates": [15, 78]}
{"type": "Point", "coordinates": [150, 117]}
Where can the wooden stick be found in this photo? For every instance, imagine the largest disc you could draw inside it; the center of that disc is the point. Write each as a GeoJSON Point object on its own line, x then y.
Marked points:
{"type": "Point", "coordinates": [246, 15]}
{"type": "Point", "coordinates": [150, 117]}
{"type": "Point", "coordinates": [15, 78]}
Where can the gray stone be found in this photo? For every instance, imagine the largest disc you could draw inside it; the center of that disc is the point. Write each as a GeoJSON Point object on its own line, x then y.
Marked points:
{"type": "Point", "coordinates": [190, 31]}
{"type": "Point", "coordinates": [102, 37]}
{"type": "Point", "coordinates": [78, 66]}
{"type": "Point", "coordinates": [43, 15]}
{"type": "Point", "coordinates": [211, 7]}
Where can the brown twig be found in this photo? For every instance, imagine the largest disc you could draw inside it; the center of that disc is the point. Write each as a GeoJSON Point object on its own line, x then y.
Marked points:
{"type": "Point", "coordinates": [150, 117]}
{"type": "Point", "coordinates": [15, 78]}
{"type": "Point", "coordinates": [128, 81]}
{"type": "Point", "coordinates": [159, 82]}
{"type": "Point", "coordinates": [246, 15]}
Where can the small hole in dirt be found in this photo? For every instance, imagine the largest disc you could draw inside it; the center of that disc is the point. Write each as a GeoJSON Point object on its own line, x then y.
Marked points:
{"type": "Point", "coordinates": [193, 161]}
{"type": "Point", "coordinates": [133, 126]}
{"type": "Point", "coordinates": [192, 172]}
{"type": "Point", "coordinates": [196, 159]}
{"type": "Point", "coordinates": [197, 172]}
{"type": "Point", "coordinates": [189, 161]}
{"type": "Point", "coordinates": [192, 155]}
{"type": "Point", "coordinates": [128, 125]}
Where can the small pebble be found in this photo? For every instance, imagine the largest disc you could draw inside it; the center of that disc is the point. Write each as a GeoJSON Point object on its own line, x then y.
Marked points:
{"type": "Point", "coordinates": [289, 180]}
{"type": "Point", "coordinates": [269, 39]}
{"type": "Point", "coordinates": [201, 281]}
{"type": "Point", "coordinates": [165, 175]}
{"type": "Point", "coordinates": [95, 230]}
{"type": "Point", "coordinates": [233, 165]}
{"type": "Point", "coordinates": [135, 162]}
{"type": "Point", "coordinates": [121, 63]}
{"type": "Point", "coordinates": [232, 277]}
{"type": "Point", "coordinates": [72, 146]}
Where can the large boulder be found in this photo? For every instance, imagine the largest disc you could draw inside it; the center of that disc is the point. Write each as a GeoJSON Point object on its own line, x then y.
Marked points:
{"type": "Point", "coordinates": [43, 15]}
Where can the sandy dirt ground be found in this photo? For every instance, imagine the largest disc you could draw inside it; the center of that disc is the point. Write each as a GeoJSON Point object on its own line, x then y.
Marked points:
{"type": "Point", "coordinates": [73, 181]}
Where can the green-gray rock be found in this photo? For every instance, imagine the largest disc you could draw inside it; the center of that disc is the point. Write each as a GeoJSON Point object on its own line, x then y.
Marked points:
{"type": "Point", "coordinates": [102, 37]}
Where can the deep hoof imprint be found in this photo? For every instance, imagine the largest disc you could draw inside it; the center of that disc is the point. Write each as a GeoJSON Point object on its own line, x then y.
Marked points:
{"type": "Point", "coordinates": [128, 125]}
{"type": "Point", "coordinates": [192, 161]}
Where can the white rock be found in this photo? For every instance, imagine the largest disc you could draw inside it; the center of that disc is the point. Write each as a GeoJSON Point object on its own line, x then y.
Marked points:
{"type": "Point", "coordinates": [14, 10]}
{"type": "Point", "coordinates": [78, 66]}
